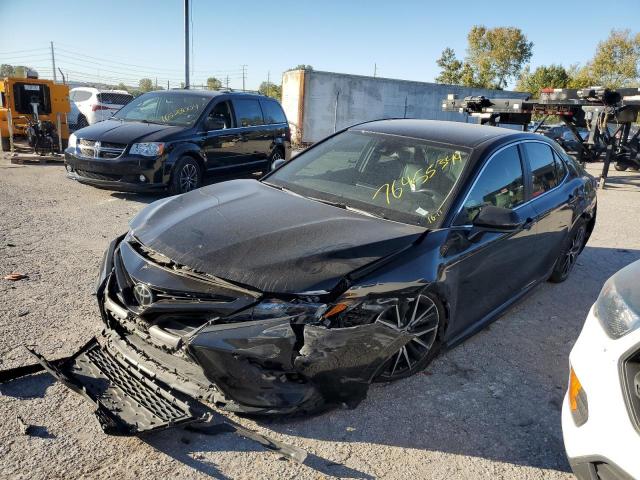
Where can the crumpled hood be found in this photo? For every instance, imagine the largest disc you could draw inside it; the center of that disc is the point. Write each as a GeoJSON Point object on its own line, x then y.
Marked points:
{"type": "Point", "coordinates": [247, 232]}
{"type": "Point", "coordinates": [115, 131]}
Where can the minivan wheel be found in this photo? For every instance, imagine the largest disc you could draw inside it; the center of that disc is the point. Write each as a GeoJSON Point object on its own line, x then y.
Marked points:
{"type": "Point", "coordinates": [422, 317]}
{"type": "Point", "coordinates": [569, 255]}
{"type": "Point", "coordinates": [186, 176]}
{"type": "Point", "coordinates": [275, 155]}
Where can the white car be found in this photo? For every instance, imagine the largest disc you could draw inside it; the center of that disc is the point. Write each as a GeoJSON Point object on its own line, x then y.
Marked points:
{"type": "Point", "coordinates": [601, 411]}
{"type": "Point", "coordinates": [93, 105]}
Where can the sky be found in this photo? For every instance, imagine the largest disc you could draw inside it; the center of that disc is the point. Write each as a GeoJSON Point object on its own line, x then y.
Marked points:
{"type": "Point", "coordinates": [112, 40]}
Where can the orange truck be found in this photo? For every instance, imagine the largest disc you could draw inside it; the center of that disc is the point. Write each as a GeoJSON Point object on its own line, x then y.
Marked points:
{"type": "Point", "coordinates": [16, 98]}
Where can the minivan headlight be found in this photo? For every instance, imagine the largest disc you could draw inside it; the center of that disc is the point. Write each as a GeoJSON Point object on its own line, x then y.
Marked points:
{"type": "Point", "coordinates": [614, 313]}
{"type": "Point", "coordinates": [73, 141]}
{"type": "Point", "coordinates": [149, 149]}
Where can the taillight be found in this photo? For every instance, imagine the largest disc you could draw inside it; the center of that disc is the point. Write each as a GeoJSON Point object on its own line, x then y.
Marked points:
{"type": "Point", "coordinates": [98, 107]}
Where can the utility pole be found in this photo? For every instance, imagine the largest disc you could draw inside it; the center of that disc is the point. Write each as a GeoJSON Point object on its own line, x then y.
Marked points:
{"type": "Point", "coordinates": [167, 84]}
{"type": "Point", "coordinates": [268, 82]}
{"type": "Point", "coordinates": [227, 82]}
{"type": "Point", "coordinates": [186, 44]}
{"type": "Point", "coordinates": [156, 83]}
{"type": "Point", "coordinates": [53, 63]}
{"type": "Point", "coordinates": [375, 70]}
{"type": "Point", "coordinates": [244, 76]}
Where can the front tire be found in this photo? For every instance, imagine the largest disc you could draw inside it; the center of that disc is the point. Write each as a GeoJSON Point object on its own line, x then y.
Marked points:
{"type": "Point", "coordinates": [186, 176]}
{"type": "Point", "coordinates": [619, 167]}
{"type": "Point", "coordinates": [570, 251]}
{"type": "Point", "coordinates": [422, 317]}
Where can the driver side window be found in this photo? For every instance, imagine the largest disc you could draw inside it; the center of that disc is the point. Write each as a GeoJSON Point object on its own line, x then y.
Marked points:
{"type": "Point", "coordinates": [222, 111]}
{"type": "Point", "coordinates": [500, 184]}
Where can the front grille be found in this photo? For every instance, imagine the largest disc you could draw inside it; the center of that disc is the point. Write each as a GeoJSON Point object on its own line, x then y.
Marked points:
{"type": "Point", "coordinates": [99, 176]}
{"type": "Point", "coordinates": [98, 149]}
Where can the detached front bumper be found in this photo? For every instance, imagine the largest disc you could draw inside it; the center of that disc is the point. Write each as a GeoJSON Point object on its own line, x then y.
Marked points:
{"type": "Point", "coordinates": [607, 443]}
{"type": "Point", "coordinates": [122, 174]}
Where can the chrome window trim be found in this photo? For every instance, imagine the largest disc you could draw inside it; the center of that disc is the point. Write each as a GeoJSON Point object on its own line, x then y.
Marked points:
{"type": "Point", "coordinates": [490, 159]}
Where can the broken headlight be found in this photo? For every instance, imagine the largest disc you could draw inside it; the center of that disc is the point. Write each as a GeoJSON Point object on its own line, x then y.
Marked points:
{"type": "Point", "coordinates": [350, 313]}
{"type": "Point", "coordinates": [299, 311]}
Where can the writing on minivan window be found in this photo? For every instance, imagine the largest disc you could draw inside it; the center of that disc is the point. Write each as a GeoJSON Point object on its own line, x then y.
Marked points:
{"type": "Point", "coordinates": [167, 117]}
{"type": "Point", "coordinates": [396, 188]}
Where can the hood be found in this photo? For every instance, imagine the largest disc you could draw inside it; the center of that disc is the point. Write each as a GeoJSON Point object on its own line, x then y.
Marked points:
{"type": "Point", "coordinates": [115, 131]}
{"type": "Point", "coordinates": [247, 232]}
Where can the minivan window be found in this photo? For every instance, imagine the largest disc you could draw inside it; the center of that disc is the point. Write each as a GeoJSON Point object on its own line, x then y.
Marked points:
{"type": "Point", "coordinates": [543, 168]}
{"type": "Point", "coordinates": [273, 112]}
{"type": "Point", "coordinates": [248, 112]}
{"type": "Point", "coordinates": [223, 110]}
{"type": "Point", "coordinates": [179, 109]}
{"type": "Point", "coordinates": [500, 184]}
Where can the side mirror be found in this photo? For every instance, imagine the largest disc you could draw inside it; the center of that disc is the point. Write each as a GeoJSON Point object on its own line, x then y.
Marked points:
{"type": "Point", "coordinates": [277, 163]}
{"type": "Point", "coordinates": [214, 123]}
{"type": "Point", "coordinates": [497, 218]}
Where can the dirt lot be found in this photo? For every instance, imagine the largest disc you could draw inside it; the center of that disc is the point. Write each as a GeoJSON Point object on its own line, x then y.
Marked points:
{"type": "Point", "coordinates": [488, 409]}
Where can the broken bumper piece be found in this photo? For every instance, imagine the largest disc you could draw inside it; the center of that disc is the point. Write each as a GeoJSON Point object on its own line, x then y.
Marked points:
{"type": "Point", "coordinates": [127, 400]}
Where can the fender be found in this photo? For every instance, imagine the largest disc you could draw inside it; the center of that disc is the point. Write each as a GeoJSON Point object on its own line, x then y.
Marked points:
{"type": "Point", "coordinates": [178, 150]}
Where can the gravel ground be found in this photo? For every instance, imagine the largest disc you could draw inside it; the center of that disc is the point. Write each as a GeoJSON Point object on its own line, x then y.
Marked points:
{"type": "Point", "coordinates": [490, 408]}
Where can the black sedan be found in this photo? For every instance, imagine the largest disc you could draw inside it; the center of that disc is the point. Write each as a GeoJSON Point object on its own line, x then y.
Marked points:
{"type": "Point", "coordinates": [357, 261]}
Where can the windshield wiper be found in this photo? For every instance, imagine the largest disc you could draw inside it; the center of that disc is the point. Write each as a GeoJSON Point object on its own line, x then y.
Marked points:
{"type": "Point", "coordinates": [344, 206]}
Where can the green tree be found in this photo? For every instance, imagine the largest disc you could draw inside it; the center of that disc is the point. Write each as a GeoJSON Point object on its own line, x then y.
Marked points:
{"type": "Point", "coordinates": [617, 59]}
{"type": "Point", "coordinates": [213, 83]}
{"type": "Point", "coordinates": [271, 90]}
{"type": "Point", "coordinates": [145, 85]}
{"type": "Point", "coordinates": [497, 55]}
{"type": "Point", "coordinates": [552, 76]}
{"type": "Point", "coordinates": [302, 66]}
{"type": "Point", "coordinates": [121, 86]}
{"type": "Point", "coordinates": [6, 70]}
{"type": "Point", "coordinates": [451, 68]}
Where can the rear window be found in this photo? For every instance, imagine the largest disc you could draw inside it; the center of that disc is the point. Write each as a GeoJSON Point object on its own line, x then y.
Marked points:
{"type": "Point", "coordinates": [81, 96]}
{"type": "Point", "coordinates": [248, 112]}
{"type": "Point", "coordinates": [273, 112]}
{"type": "Point", "coordinates": [114, 98]}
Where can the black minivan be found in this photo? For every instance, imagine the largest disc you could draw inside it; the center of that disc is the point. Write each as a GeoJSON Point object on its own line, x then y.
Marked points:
{"type": "Point", "coordinates": [174, 138]}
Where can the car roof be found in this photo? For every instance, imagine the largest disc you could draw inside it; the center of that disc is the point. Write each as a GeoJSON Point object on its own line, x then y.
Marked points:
{"type": "Point", "coordinates": [461, 134]}
{"type": "Point", "coordinates": [209, 93]}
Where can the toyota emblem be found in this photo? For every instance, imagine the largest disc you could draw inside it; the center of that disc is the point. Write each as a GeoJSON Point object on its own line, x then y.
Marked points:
{"type": "Point", "coordinates": [143, 295]}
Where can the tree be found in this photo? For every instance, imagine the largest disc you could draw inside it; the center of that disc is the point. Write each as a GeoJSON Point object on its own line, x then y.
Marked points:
{"type": "Point", "coordinates": [213, 83]}
{"type": "Point", "coordinates": [497, 55]}
{"type": "Point", "coordinates": [552, 76]}
{"type": "Point", "coordinates": [616, 60]}
{"type": "Point", "coordinates": [271, 90]}
{"type": "Point", "coordinates": [451, 72]}
{"type": "Point", "coordinates": [121, 86]}
{"type": "Point", "coordinates": [145, 85]}
{"type": "Point", "coordinates": [302, 66]}
{"type": "Point", "coordinates": [6, 70]}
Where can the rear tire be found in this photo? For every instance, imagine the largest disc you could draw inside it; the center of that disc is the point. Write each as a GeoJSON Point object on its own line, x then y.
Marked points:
{"type": "Point", "coordinates": [569, 255]}
{"type": "Point", "coordinates": [186, 176]}
{"type": "Point", "coordinates": [277, 154]}
{"type": "Point", "coordinates": [619, 167]}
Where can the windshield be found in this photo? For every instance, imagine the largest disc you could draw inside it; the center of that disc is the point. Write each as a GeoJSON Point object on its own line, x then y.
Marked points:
{"type": "Point", "coordinates": [389, 176]}
{"type": "Point", "coordinates": [164, 108]}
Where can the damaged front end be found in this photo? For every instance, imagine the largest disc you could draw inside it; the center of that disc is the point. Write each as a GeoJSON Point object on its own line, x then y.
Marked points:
{"type": "Point", "coordinates": [176, 339]}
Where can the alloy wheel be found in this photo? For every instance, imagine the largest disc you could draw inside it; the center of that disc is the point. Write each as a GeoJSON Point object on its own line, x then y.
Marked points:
{"type": "Point", "coordinates": [188, 177]}
{"type": "Point", "coordinates": [571, 255]}
{"type": "Point", "coordinates": [275, 156]}
{"type": "Point", "coordinates": [421, 320]}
